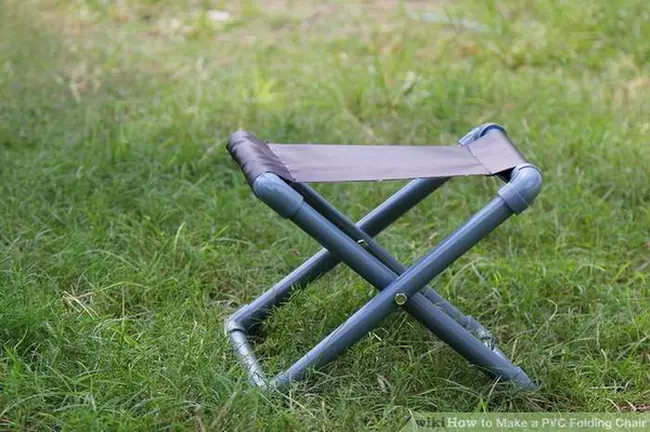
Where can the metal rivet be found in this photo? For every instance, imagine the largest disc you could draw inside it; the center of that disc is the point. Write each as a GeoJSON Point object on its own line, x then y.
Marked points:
{"type": "Point", "coordinates": [400, 298]}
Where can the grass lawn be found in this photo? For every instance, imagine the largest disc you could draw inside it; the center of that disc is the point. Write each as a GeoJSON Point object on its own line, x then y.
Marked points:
{"type": "Point", "coordinates": [128, 234]}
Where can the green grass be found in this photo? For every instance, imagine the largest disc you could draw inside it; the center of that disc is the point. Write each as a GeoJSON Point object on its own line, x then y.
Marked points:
{"type": "Point", "coordinates": [128, 235]}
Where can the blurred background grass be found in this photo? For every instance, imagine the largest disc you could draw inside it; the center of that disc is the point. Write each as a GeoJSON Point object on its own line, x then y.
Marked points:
{"type": "Point", "coordinates": [128, 234]}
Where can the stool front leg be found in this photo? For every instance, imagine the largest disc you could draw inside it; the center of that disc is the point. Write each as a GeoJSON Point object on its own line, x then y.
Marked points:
{"type": "Point", "coordinates": [524, 185]}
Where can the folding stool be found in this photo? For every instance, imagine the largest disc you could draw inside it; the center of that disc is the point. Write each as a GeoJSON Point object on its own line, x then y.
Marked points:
{"type": "Point", "coordinates": [279, 174]}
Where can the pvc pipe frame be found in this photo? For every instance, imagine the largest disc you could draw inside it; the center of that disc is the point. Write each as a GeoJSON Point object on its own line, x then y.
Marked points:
{"type": "Point", "coordinates": [397, 285]}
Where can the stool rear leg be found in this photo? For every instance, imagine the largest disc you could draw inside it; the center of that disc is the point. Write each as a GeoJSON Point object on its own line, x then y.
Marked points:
{"type": "Point", "coordinates": [321, 205]}
{"type": "Point", "coordinates": [324, 261]}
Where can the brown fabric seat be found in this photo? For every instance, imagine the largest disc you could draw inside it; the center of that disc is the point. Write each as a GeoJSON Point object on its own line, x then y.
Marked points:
{"type": "Point", "coordinates": [491, 154]}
